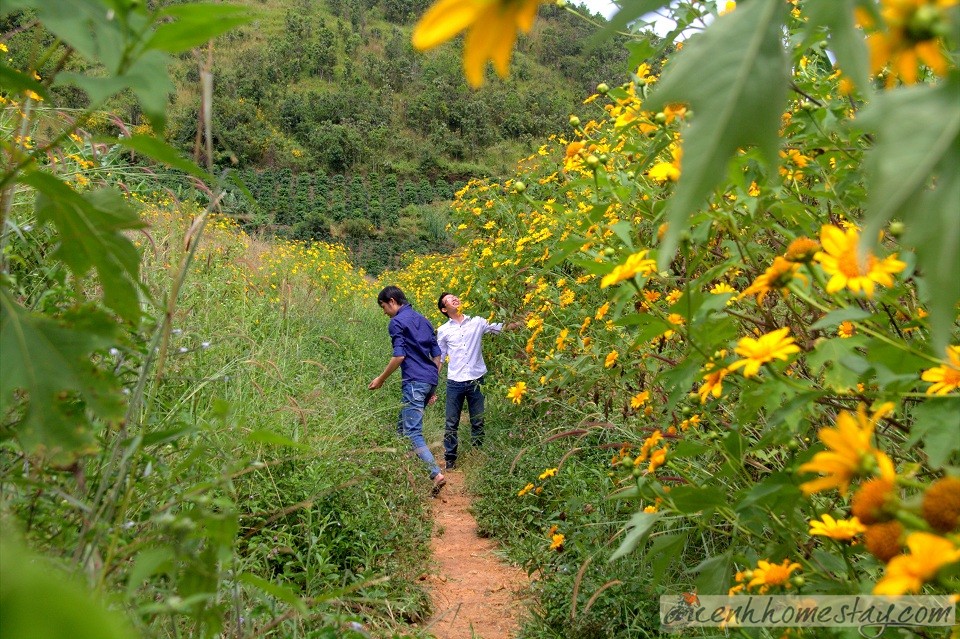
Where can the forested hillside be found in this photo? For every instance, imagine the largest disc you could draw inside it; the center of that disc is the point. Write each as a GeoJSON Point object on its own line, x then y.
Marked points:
{"type": "Point", "coordinates": [342, 132]}
{"type": "Point", "coordinates": [337, 86]}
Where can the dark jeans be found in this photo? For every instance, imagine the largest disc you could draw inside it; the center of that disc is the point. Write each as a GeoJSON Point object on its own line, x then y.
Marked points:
{"type": "Point", "coordinates": [456, 393]}
{"type": "Point", "coordinates": [410, 422]}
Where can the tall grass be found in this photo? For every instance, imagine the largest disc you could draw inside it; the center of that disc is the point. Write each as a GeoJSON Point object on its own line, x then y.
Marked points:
{"type": "Point", "coordinates": [261, 489]}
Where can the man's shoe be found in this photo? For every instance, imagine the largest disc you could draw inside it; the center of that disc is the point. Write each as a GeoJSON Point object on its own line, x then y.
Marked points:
{"type": "Point", "coordinates": [450, 465]}
{"type": "Point", "coordinates": [438, 482]}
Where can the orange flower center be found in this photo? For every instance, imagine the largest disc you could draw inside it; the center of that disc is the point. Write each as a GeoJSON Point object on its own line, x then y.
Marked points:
{"type": "Point", "coordinates": [776, 575]}
{"type": "Point", "coordinates": [951, 376]}
{"type": "Point", "coordinates": [849, 265]}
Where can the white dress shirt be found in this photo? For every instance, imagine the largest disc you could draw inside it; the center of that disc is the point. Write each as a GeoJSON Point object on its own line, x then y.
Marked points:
{"type": "Point", "coordinates": [462, 343]}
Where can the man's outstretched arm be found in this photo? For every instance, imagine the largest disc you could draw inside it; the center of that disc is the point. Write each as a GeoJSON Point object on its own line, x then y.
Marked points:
{"type": "Point", "coordinates": [392, 365]}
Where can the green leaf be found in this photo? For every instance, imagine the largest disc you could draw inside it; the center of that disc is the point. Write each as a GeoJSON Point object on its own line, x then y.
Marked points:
{"type": "Point", "coordinates": [91, 227]}
{"type": "Point", "coordinates": [148, 563]}
{"type": "Point", "coordinates": [49, 362]}
{"type": "Point", "coordinates": [846, 40]}
{"type": "Point", "coordinates": [637, 530]}
{"type": "Point", "coordinates": [162, 152]}
{"type": "Point", "coordinates": [937, 423]}
{"type": "Point", "coordinates": [737, 93]}
{"type": "Point", "coordinates": [830, 561]}
{"type": "Point", "coordinates": [41, 602]}
{"type": "Point", "coordinates": [196, 24]}
{"type": "Point", "coordinates": [83, 25]}
{"type": "Point", "coordinates": [147, 77]}
{"type": "Point", "coordinates": [913, 172]}
{"type": "Point", "coordinates": [693, 499]}
{"type": "Point", "coordinates": [835, 318]}
{"type": "Point", "coordinates": [665, 549]}
{"type": "Point", "coordinates": [827, 358]}
{"type": "Point", "coordinates": [713, 574]}
{"type": "Point", "coordinates": [281, 593]}
{"type": "Point", "coordinates": [623, 229]}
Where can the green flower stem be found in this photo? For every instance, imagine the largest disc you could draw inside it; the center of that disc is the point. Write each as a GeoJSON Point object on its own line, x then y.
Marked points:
{"type": "Point", "coordinates": [867, 330]}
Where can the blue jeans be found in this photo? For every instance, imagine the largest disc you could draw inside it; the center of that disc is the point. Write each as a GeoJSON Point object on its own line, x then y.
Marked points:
{"type": "Point", "coordinates": [456, 393]}
{"type": "Point", "coordinates": [410, 422]}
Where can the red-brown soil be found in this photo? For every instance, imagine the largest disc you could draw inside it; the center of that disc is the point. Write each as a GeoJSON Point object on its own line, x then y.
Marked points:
{"type": "Point", "coordinates": [475, 593]}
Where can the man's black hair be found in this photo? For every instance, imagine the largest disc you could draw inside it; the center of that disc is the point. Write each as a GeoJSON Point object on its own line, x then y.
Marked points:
{"type": "Point", "coordinates": [440, 303]}
{"type": "Point", "coordinates": [392, 293]}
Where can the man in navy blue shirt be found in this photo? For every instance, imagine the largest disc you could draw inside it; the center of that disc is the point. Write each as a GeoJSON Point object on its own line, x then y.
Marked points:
{"type": "Point", "coordinates": [417, 355]}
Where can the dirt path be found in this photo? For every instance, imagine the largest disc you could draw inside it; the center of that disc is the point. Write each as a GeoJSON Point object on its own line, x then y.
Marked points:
{"type": "Point", "coordinates": [475, 593]}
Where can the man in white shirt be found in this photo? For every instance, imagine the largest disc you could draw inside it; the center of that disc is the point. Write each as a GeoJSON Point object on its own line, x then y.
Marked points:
{"type": "Point", "coordinates": [460, 340]}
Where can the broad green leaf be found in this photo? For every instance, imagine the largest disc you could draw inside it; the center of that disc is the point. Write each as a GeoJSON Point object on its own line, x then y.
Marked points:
{"type": "Point", "coordinates": [148, 563]}
{"type": "Point", "coordinates": [50, 363]}
{"type": "Point", "coordinates": [846, 40]}
{"type": "Point", "coordinates": [623, 229]}
{"type": "Point", "coordinates": [82, 24]}
{"type": "Point", "coordinates": [835, 318]}
{"type": "Point", "coordinates": [147, 77]}
{"type": "Point", "coordinates": [39, 601]}
{"type": "Point", "coordinates": [640, 51]}
{"type": "Point", "coordinates": [831, 561]}
{"type": "Point", "coordinates": [637, 530]}
{"type": "Point", "coordinates": [196, 24]}
{"type": "Point", "coordinates": [159, 150]}
{"type": "Point", "coordinates": [713, 574]}
{"type": "Point", "coordinates": [916, 128]}
{"type": "Point", "coordinates": [771, 489]}
{"type": "Point", "coordinates": [680, 378]}
{"type": "Point", "coordinates": [562, 251]}
{"type": "Point", "coordinates": [91, 227]}
{"type": "Point", "coordinates": [281, 593]}
{"type": "Point", "coordinates": [735, 78]}
{"type": "Point", "coordinates": [665, 549]}
{"type": "Point", "coordinates": [98, 89]}
{"type": "Point", "coordinates": [692, 499]}
{"type": "Point", "coordinates": [937, 423]}
{"type": "Point", "coordinates": [826, 358]}
{"type": "Point", "coordinates": [912, 173]}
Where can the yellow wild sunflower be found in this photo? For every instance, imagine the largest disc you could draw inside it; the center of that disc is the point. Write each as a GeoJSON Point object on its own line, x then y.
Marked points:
{"type": "Point", "coordinates": [766, 348]}
{"type": "Point", "coordinates": [636, 263]}
{"type": "Point", "coordinates": [516, 392]}
{"type": "Point", "coordinates": [946, 377]}
{"type": "Point", "coordinates": [907, 573]}
{"type": "Point", "coordinates": [841, 261]}
{"type": "Point", "coordinates": [639, 399]}
{"type": "Point", "coordinates": [850, 452]}
{"type": "Point", "coordinates": [491, 27]}
{"type": "Point", "coordinates": [777, 277]}
{"type": "Point", "coordinates": [910, 35]}
{"type": "Point", "coordinates": [767, 575]}
{"type": "Point", "coordinates": [839, 529]}
{"type": "Point", "coordinates": [712, 382]}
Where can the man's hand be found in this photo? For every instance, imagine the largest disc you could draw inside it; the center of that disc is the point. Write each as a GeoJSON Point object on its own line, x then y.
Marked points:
{"type": "Point", "coordinates": [376, 383]}
{"type": "Point", "coordinates": [432, 400]}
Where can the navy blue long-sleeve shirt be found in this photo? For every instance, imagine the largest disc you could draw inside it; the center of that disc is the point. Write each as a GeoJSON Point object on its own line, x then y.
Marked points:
{"type": "Point", "coordinates": [413, 339]}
